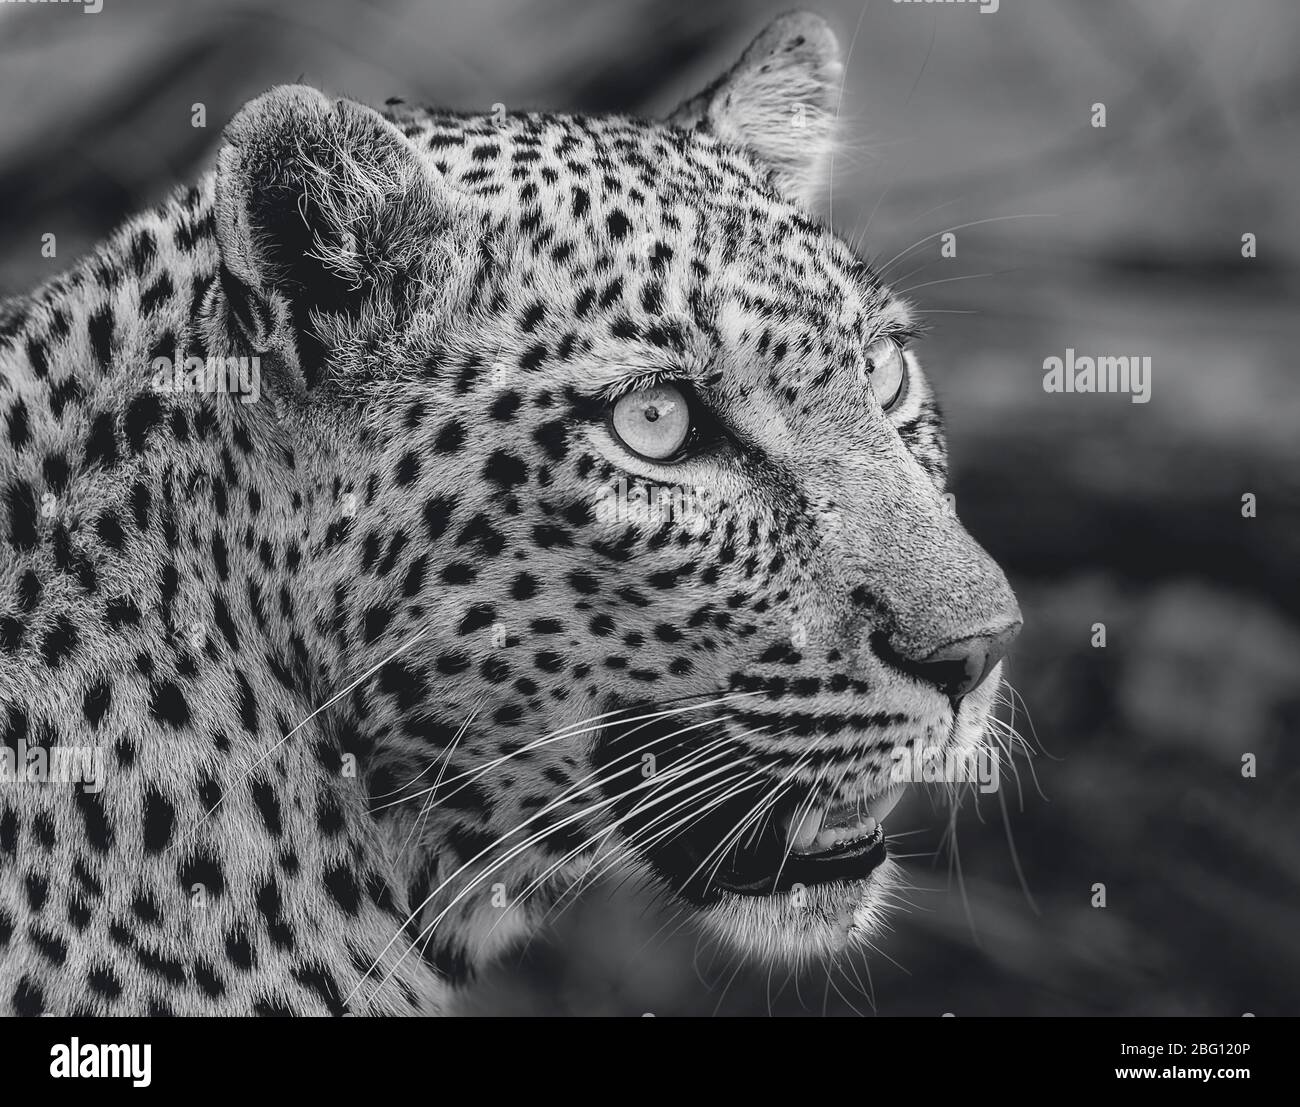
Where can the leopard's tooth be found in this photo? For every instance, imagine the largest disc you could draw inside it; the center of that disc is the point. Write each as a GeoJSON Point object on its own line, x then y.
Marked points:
{"type": "Point", "coordinates": [827, 839]}
{"type": "Point", "coordinates": [880, 806]}
{"type": "Point", "coordinates": [802, 836]}
{"type": "Point", "coordinates": [832, 837]}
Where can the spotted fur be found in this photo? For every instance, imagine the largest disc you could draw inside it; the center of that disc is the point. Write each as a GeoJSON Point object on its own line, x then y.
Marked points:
{"type": "Point", "coordinates": [341, 648]}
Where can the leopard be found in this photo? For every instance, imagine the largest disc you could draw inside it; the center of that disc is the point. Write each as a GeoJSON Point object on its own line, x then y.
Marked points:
{"type": "Point", "coordinates": [426, 513]}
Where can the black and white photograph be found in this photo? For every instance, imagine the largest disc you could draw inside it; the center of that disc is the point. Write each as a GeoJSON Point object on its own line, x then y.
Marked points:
{"type": "Point", "coordinates": [557, 508]}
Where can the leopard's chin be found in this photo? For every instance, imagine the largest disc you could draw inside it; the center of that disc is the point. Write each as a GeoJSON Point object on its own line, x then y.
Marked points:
{"type": "Point", "coordinates": [803, 924]}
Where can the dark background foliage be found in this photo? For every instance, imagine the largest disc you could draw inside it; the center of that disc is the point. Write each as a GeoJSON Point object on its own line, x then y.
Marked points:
{"type": "Point", "coordinates": [1114, 241]}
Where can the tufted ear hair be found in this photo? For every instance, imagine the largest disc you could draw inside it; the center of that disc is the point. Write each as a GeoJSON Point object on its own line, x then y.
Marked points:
{"type": "Point", "coordinates": [779, 101]}
{"type": "Point", "coordinates": [322, 206]}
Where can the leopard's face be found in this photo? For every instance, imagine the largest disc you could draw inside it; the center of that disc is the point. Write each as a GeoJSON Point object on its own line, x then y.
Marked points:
{"type": "Point", "coordinates": [676, 578]}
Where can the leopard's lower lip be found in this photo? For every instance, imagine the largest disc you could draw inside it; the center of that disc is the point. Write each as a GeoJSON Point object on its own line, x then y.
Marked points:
{"type": "Point", "coordinates": [766, 871]}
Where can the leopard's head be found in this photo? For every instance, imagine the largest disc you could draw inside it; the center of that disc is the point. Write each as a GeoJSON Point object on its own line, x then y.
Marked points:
{"type": "Point", "coordinates": [651, 559]}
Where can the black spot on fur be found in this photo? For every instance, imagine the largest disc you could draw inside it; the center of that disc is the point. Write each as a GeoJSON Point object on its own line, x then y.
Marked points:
{"type": "Point", "coordinates": [104, 982]}
{"type": "Point", "coordinates": [38, 356]}
{"type": "Point", "coordinates": [553, 438]}
{"type": "Point", "coordinates": [525, 587]}
{"type": "Point", "coordinates": [59, 641]}
{"type": "Point", "coordinates": [101, 443]}
{"type": "Point", "coordinates": [140, 502]}
{"type": "Point", "coordinates": [100, 328]}
{"type": "Point", "coordinates": [505, 406]}
{"type": "Point", "coordinates": [142, 414]}
{"type": "Point", "coordinates": [99, 833]}
{"type": "Point", "coordinates": [239, 951]}
{"type": "Point", "coordinates": [205, 976]}
{"type": "Point", "coordinates": [247, 703]}
{"type": "Point", "coordinates": [37, 889]}
{"type": "Point", "coordinates": [21, 503]}
{"type": "Point", "coordinates": [318, 979]}
{"type": "Point", "coordinates": [121, 611]}
{"type": "Point", "coordinates": [268, 804]}
{"type": "Point", "coordinates": [450, 438]}
{"type": "Point", "coordinates": [167, 704]}
{"type": "Point", "coordinates": [28, 998]}
{"type": "Point", "coordinates": [341, 884]}
{"type": "Point", "coordinates": [437, 514]}
{"type": "Point", "coordinates": [53, 948]}
{"type": "Point", "coordinates": [505, 470]}
{"type": "Point", "coordinates": [408, 469]}
{"type": "Point", "coordinates": [618, 225]}
{"type": "Point", "coordinates": [96, 701]}
{"type": "Point", "coordinates": [159, 819]}
{"type": "Point", "coordinates": [477, 617]}
{"type": "Point", "coordinates": [203, 869]}
{"type": "Point", "coordinates": [29, 590]}
{"type": "Point", "coordinates": [156, 294]}
{"type": "Point", "coordinates": [533, 357]}
{"type": "Point", "coordinates": [376, 622]}
{"type": "Point", "coordinates": [11, 633]}
{"type": "Point", "coordinates": [16, 422]}
{"type": "Point", "coordinates": [109, 530]}
{"type": "Point", "coordinates": [414, 579]}
{"type": "Point", "coordinates": [55, 471]}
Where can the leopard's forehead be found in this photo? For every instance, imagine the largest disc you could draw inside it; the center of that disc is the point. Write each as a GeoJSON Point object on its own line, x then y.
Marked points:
{"type": "Point", "coordinates": [636, 186]}
{"type": "Point", "coordinates": [516, 156]}
{"type": "Point", "coordinates": [637, 236]}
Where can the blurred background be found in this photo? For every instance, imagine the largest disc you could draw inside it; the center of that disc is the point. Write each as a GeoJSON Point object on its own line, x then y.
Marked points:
{"type": "Point", "coordinates": [1122, 240]}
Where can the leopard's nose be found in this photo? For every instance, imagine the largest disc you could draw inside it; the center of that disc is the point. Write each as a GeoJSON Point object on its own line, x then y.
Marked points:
{"type": "Point", "coordinates": [959, 667]}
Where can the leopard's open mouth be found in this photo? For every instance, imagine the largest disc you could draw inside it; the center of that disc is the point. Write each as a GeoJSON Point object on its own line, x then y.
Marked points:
{"type": "Point", "coordinates": [709, 830]}
{"type": "Point", "coordinates": [798, 845]}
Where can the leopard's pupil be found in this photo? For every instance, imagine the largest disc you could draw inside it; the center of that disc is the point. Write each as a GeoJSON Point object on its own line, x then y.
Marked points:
{"type": "Point", "coordinates": [652, 414]}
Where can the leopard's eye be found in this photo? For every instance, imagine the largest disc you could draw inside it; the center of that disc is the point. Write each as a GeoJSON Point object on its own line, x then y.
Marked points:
{"type": "Point", "coordinates": [653, 423]}
{"type": "Point", "coordinates": [887, 368]}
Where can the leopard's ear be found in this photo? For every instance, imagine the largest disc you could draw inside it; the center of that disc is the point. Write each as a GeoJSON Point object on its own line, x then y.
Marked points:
{"type": "Point", "coordinates": [322, 207]}
{"type": "Point", "coordinates": [779, 101]}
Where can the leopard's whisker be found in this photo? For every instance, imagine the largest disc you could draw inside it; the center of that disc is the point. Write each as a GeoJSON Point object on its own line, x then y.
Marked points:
{"type": "Point", "coordinates": [641, 839]}
{"type": "Point", "coordinates": [276, 745]}
{"type": "Point", "coordinates": [638, 840]}
{"type": "Point", "coordinates": [563, 798]}
{"type": "Point", "coordinates": [575, 730]}
{"type": "Point", "coordinates": [515, 851]}
{"type": "Point", "coordinates": [653, 798]}
{"type": "Point", "coordinates": [951, 280]}
{"type": "Point", "coordinates": [883, 269]}
{"type": "Point", "coordinates": [606, 832]}
{"type": "Point", "coordinates": [721, 849]}
{"type": "Point", "coordinates": [762, 811]}
{"type": "Point", "coordinates": [443, 762]}
{"type": "Point", "coordinates": [443, 758]}
{"type": "Point", "coordinates": [789, 846]}
{"type": "Point", "coordinates": [839, 107]}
